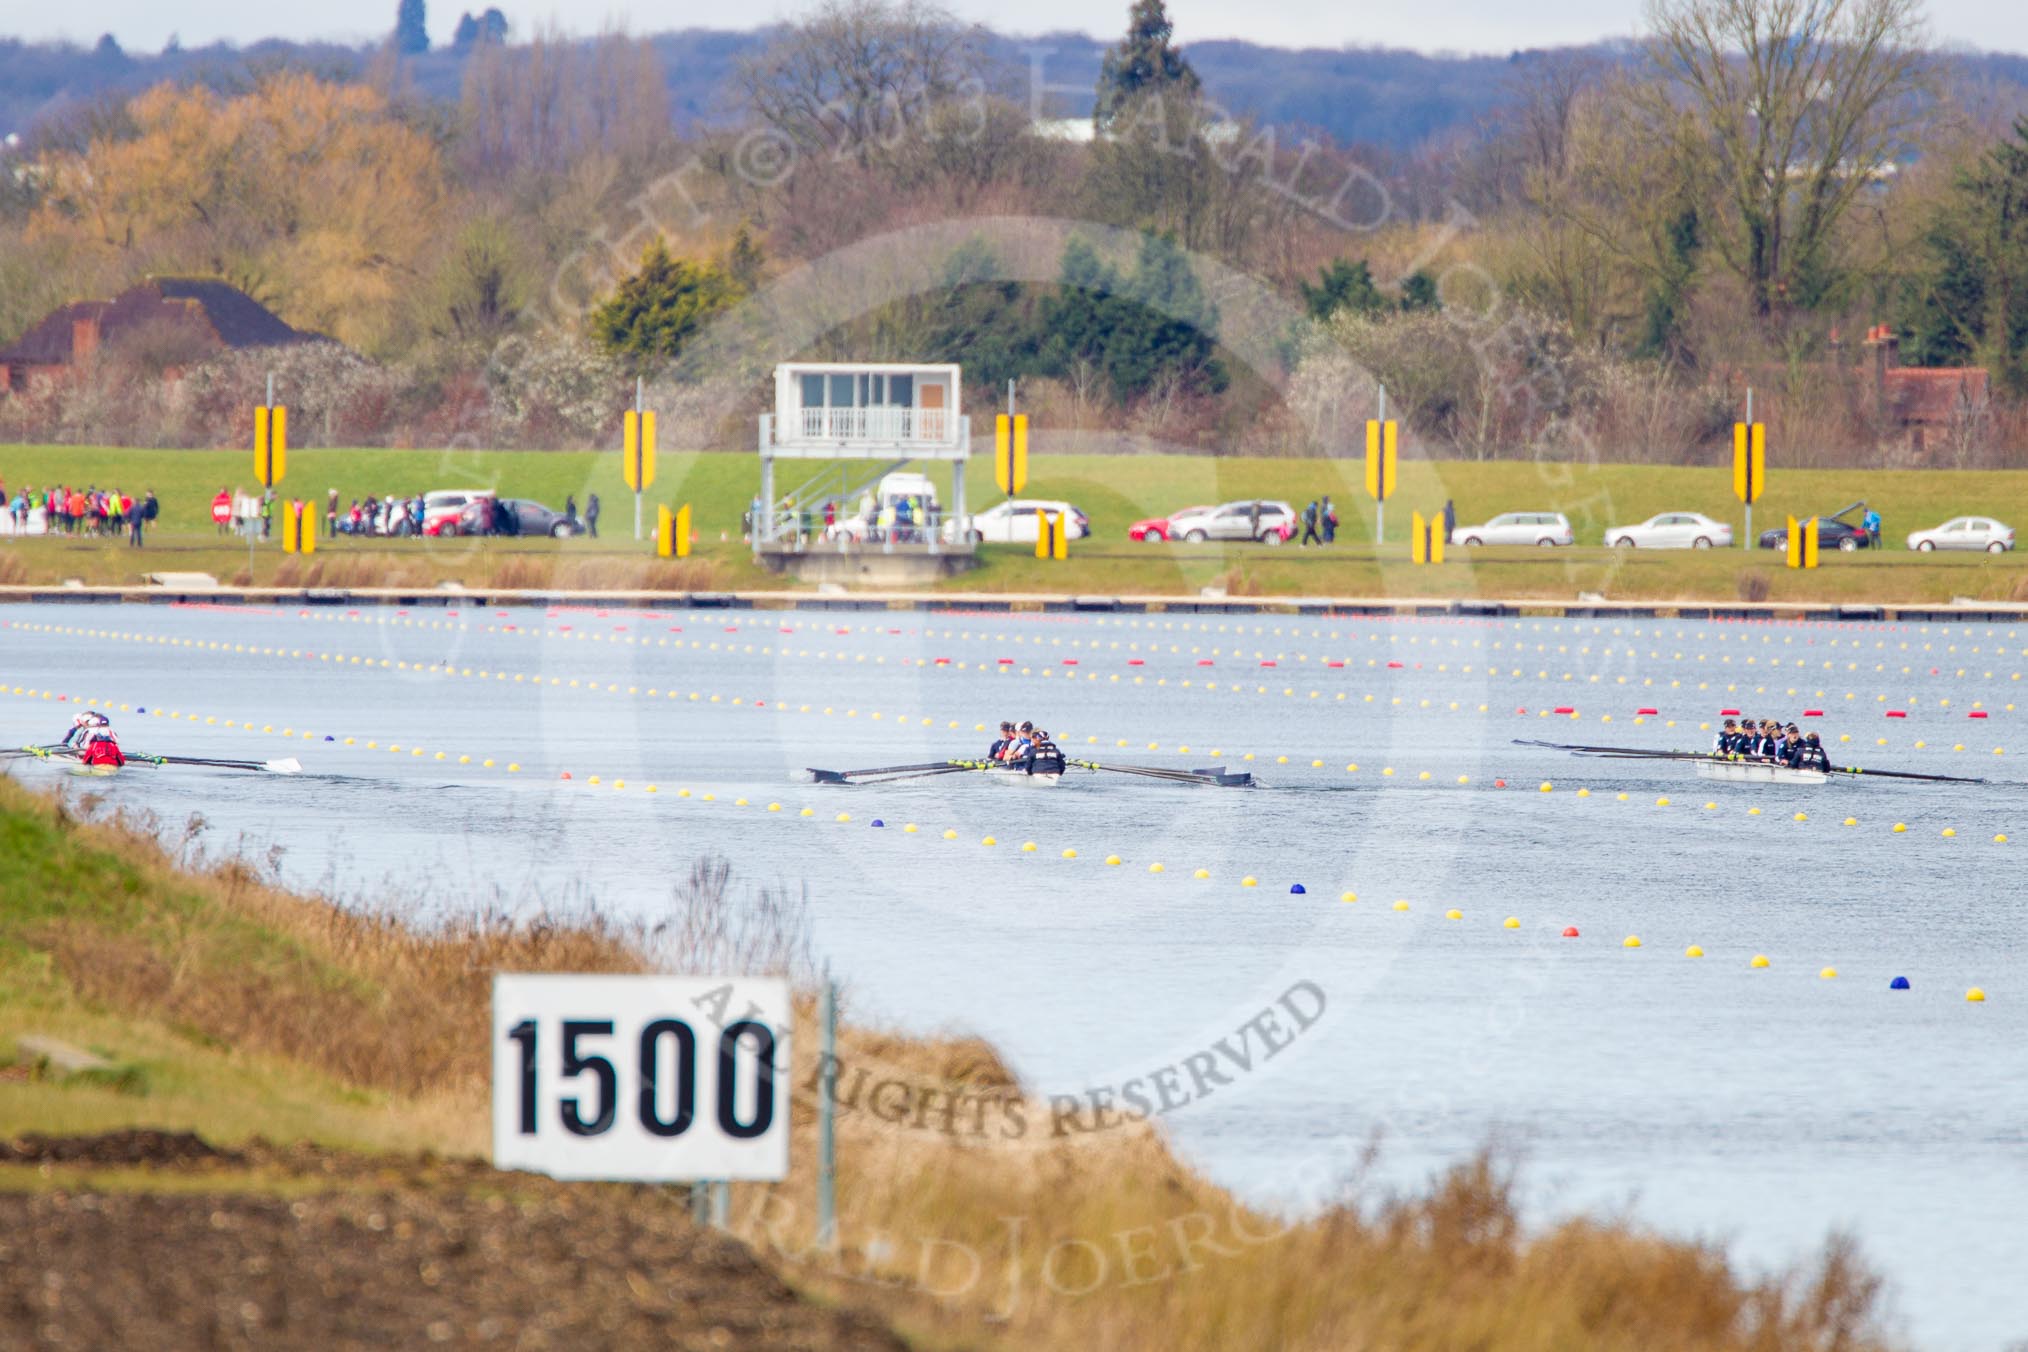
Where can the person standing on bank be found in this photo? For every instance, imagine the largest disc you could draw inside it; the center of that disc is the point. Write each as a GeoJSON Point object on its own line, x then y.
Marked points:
{"type": "Point", "coordinates": [1310, 525]}
{"type": "Point", "coordinates": [1450, 519]}
{"type": "Point", "coordinates": [1329, 518]}
{"type": "Point", "coordinates": [591, 515]}
{"type": "Point", "coordinates": [144, 511]}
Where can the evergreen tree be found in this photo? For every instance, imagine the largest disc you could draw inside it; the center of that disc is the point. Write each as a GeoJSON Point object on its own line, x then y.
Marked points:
{"type": "Point", "coordinates": [1973, 304]}
{"type": "Point", "coordinates": [1144, 64]}
{"type": "Point", "coordinates": [411, 28]}
{"type": "Point", "coordinates": [744, 260]}
{"type": "Point", "coordinates": [488, 29]}
{"type": "Point", "coordinates": [651, 315]}
{"type": "Point", "coordinates": [1344, 285]}
{"type": "Point", "coordinates": [1419, 292]}
{"type": "Point", "coordinates": [1150, 328]}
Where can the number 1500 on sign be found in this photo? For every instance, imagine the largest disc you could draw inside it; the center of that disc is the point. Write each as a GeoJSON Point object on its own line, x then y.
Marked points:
{"type": "Point", "coordinates": [645, 1078]}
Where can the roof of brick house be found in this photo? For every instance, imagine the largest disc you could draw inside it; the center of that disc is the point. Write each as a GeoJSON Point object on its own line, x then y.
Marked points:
{"type": "Point", "coordinates": [215, 312]}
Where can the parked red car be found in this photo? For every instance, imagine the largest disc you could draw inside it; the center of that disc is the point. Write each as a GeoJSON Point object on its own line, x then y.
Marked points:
{"type": "Point", "coordinates": [1155, 530]}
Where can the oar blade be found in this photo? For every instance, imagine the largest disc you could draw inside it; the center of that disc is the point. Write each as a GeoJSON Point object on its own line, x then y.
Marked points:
{"type": "Point", "coordinates": [289, 765]}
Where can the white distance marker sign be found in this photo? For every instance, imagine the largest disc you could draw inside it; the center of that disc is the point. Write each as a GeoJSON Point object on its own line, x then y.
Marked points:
{"type": "Point", "coordinates": [658, 1079]}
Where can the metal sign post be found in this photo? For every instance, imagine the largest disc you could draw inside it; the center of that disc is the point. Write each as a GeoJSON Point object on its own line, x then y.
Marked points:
{"type": "Point", "coordinates": [1381, 453]}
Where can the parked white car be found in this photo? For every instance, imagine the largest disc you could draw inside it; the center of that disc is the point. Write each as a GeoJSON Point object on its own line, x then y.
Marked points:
{"type": "Point", "coordinates": [1672, 530]}
{"type": "Point", "coordinates": [1518, 528]}
{"type": "Point", "coordinates": [1267, 521]}
{"type": "Point", "coordinates": [1016, 522]}
{"type": "Point", "coordinates": [1965, 532]}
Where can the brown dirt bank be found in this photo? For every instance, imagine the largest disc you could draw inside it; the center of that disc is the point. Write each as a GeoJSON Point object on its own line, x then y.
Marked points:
{"type": "Point", "coordinates": [378, 1253]}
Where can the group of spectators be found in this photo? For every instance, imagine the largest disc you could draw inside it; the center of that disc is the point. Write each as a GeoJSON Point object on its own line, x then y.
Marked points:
{"type": "Point", "coordinates": [69, 510]}
{"type": "Point", "coordinates": [381, 515]}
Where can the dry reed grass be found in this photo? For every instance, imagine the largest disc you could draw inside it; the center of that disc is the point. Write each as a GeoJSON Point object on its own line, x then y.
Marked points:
{"type": "Point", "coordinates": [1018, 1238]}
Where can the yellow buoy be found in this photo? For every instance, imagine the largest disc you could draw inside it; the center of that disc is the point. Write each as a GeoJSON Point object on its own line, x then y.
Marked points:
{"type": "Point", "coordinates": [1950, 830]}
{"type": "Point", "coordinates": [1511, 922]}
{"type": "Point", "coordinates": [1631, 941]}
{"type": "Point", "coordinates": [1975, 996]}
{"type": "Point", "coordinates": [950, 833]}
{"type": "Point", "coordinates": [1454, 914]}
{"type": "Point", "coordinates": [1027, 846]}
{"type": "Point", "coordinates": [1201, 873]}
{"type": "Point", "coordinates": [1759, 960]}
{"type": "Point", "coordinates": [1348, 896]}
{"type": "Point", "coordinates": [1249, 881]}
{"type": "Point", "coordinates": [1584, 793]}
{"type": "Point", "coordinates": [989, 841]}
{"type": "Point", "coordinates": [1154, 868]}
{"type": "Point", "coordinates": [1112, 859]}
{"type": "Point", "coordinates": [1547, 786]}
{"type": "Point", "coordinates": [1070, 854]}
{"type": "Point", "coordinates": [1693, 952]}
{"type": "Point", "coordinates": [1828, 974]}
{"type": "Point", "coordinates": [1899, 827]}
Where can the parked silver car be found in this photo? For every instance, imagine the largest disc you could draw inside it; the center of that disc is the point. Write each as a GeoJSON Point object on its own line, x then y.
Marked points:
{"type": "Point", "coordinates": [1271, 523]}
{"type": "Point", "coordinates": [1518, 528]}
{"type": "Point", "coordinates": [1965, 532]}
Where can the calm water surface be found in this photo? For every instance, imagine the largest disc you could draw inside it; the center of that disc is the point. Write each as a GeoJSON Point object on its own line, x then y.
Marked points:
{"type": "Point", "coordinates": [1762, 1108]}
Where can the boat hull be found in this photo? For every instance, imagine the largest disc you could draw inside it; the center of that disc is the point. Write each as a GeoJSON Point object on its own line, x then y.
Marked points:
{"type": "Point", "coordinates": [1757, 772]}
{"type": "Point", "coordinates": [1019, 778]}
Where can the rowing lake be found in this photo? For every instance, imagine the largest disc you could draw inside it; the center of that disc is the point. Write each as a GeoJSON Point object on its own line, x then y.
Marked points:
{"type": "Point", "coordinates": [1758, 1107]}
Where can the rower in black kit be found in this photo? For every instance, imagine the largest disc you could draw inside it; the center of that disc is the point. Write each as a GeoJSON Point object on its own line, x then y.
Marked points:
{"type": "Point", "coordinates": [1044, 756]}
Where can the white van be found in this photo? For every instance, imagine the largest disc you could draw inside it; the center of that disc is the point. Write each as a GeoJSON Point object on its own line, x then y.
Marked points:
{"type": "Point", "coordinates": [852, 524]}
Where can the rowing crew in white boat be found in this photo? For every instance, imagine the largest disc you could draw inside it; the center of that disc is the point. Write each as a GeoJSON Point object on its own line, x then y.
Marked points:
{"type": "Point", "coordinates": [1770, 743]}
{"type": "Point", "coordinates": [1028, 748]}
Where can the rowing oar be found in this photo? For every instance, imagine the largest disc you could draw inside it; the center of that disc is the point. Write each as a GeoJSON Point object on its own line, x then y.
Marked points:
{"type": "Point", "coordinates": [918, 774]}
{"type": "Point", "coordinates": [1613, 750]}
{"type": "Point", "coordinates": [288, 766]}
{"type": "Point", "coordinates": [1238, 779]}
{"type": "Point", "coordinates": [1903, 774]}
{"type": "Point", "coordinates": [843, 776]}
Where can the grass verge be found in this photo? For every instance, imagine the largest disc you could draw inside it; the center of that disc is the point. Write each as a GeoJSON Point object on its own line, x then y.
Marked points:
{"type": "Point", "coordinates": [1114, 490]}
{"type": "Point", "coordinates": [251, 1012]}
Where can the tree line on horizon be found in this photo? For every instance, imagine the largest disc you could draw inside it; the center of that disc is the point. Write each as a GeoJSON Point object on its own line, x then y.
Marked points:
{"type": "Point", "coordinates": [1598, 267]}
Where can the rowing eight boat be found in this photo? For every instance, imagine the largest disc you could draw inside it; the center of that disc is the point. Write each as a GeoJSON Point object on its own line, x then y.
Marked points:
{"type": "Point", "coordinates": [1758, 772]}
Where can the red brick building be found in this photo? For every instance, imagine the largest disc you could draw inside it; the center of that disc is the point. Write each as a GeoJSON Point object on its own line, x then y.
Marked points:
{"type": "Point", "coordinates": [191, 317]}
{"type": "Point", "coordinates": [1924, 406]}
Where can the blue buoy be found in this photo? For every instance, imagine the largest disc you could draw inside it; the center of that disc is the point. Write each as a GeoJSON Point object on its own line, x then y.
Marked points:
{"type": "Point", "coordinates": [1298, 891]}
{"type": "Point", "coordinates": [878, 822]}
{"type": "Point", "coordinates": [141, 709]}
{"type": "Point", "coordinates": [329, 738]}
{"type": "Point", "coordinates": [1899, 983]}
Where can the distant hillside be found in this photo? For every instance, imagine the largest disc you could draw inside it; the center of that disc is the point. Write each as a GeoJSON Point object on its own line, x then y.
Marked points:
{"type": "Point", "coordinates": [1395, 100]}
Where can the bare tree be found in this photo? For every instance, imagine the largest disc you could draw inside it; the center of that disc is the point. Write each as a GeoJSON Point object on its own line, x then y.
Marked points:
{"type": "Point", "coordinates": [1797, 106]}
{"type": "Point", "coordinates": [858, 77]}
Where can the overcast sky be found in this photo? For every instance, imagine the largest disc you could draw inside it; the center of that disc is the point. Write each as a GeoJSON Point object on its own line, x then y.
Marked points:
{"type": "Point", "coordinates": [1432, 25]}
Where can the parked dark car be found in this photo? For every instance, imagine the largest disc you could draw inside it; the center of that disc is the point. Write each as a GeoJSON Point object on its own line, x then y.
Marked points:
{"type": "Point", "coordinates": [1833, 532]}
{"type": "Point", "coordinates": [513, 516]}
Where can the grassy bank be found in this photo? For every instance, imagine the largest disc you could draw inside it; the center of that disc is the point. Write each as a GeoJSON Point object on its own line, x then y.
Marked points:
{"type": "Point", "coordinates": [1114, 490]}
{"type": "Point", "coordinates": [230, 1008]}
